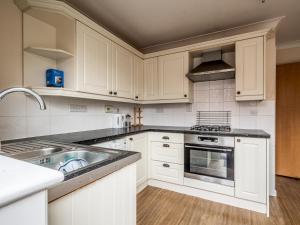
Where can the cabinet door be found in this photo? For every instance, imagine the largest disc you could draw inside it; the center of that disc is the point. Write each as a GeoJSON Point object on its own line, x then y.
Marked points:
{"type": "Point", "coordinates": [250, 69]}
{"type": "Point", "coordinates": [151, 90]}
{"type": "Point", "coordinates": [138, 143]}
{"type": "Point", "coordinates": [122, 72]}
{"type": "Point", "coordinates": [173, 83]}
{"type": "Point", "coordinates": [138, 78]}
{"type": "Point", "coordinates": [251, 169]}
{"type": "Point", "coordinates": [94, 62]}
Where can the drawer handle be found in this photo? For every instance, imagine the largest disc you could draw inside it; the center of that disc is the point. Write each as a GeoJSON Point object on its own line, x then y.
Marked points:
{"type": "Point", "coordinates": [166, 165]}
{"type": "Point", "coordinates": [165, 138]}
{"type": "Point", "coordinates": [166, 145]}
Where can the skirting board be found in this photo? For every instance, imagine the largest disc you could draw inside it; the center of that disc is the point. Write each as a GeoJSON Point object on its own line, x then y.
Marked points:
{"type": "Point", "coordinates": [228, 200]}
{"type": "Point", "coordinates": [141, 187]}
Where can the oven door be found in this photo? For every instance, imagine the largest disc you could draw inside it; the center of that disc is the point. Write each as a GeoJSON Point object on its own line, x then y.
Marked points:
{"type": "Point", "coordinates": [209, 163]}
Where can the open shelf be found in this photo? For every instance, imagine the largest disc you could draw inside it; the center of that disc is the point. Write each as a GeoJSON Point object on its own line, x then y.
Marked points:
{"type": "Point", "coordinates": [51, 53]}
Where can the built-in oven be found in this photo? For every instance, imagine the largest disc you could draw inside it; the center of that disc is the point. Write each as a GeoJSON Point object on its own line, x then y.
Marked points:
{"type": "Point", "coordinates": [209, 158]}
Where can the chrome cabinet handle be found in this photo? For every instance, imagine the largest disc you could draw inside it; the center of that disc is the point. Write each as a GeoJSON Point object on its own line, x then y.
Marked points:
{"type": "Point", "coordinates": [165, 138]}
{"type": "Point", "coordinates": [166, 145]}
{"type": "Point", "coordinates": [238, 140]}
{"type": "Point", "coordinates": [166, 165]}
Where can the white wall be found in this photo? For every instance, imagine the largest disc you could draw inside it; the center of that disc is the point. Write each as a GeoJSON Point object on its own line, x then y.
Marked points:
{"type": "Point", "coordinates": [21, 117]}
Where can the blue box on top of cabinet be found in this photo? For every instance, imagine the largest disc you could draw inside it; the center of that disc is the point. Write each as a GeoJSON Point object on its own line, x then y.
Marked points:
{"type": "Point", "coordinates": [54, 78]}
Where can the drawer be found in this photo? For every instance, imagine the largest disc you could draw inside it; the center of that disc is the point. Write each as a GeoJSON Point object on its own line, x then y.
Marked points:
{"type": "Point", "coordinates": [168, 172]}
{"type": "Point", "coordinates": [167, 152]}
{"type": "Point", "coordinates": [166, 137]}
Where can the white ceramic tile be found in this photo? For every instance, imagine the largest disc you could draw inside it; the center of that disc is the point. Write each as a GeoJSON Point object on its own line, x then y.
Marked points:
{"type": "Point", "coordinates": [229, 84]}
{"type": "Point", "coordinates": [200, 107]}
{"type": "Point", "coordinates": [216, 95]}
{"type": "Point", "coordinates": [13, 105]}
{"type": "Point", "coordinates": [216, 106]}
{"type": "Point", "coordinates": [216, 85]}
{"type": "Point", "coordinates": [233, 107]}
{"type": "Point", "coordinates": [266, 108]}
{"type": "Point", "coordinates": [235, 122]}
{"type": "Point", "coordinates": [248, 108]}
{"type": "Point", "coordinates": [266, 123]}
{"type": "Point", "coordinates": [201, 86]}
{"type": "Point", "coordinates": [229, 95]}
{"type": "Point", "coordinates": [37, 126]}
{"type": "Point", "coordinates": [190, 119]}
{"type": "Point", "coordinates": [202, 96]}
{"type": "Point", "coordinates": [33, 107]}
{"type": "Point", "coordinates": [12, 127]}
{"type": "Point", "coordinates": [59, 106]}
{"type": "Point", "coordinates": [248, 122]}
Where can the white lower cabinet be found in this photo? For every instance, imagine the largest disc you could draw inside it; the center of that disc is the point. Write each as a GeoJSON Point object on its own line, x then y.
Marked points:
{"type": "Point", "coordinates": [251, 169]}
{"type": "Point", "coordinates": [31, 210]}
{"type": "Point", "coordinates": [110, 200]}
{"type": "Point", "coordinates": [166, 163]}
{"type": "Point", "coordinates": [139, 143]}
{"type": "Point", "coordinates": [168, 152]}
{"type": "Point", "coordinates": [169, 172]}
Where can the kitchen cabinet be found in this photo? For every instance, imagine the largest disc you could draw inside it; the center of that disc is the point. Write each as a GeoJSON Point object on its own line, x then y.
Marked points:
{"type": "Point", "coordinates": [94, 61]}
{"type": "Point", "coordinates": [138, 78]}
{"type": "Point", "coordinates": [122, 61]}
{"type": "Point", "coordinates": [250, 69]}
{"type": "Point", "coordinates": [167, 152]}
{"type": "Point", "coordinates": [167, 156]}
{"type": "Point", "coordinates": [22, 211]}
{"type": "Point", "coordinates": [139, 143]}
{"type": "Point", "coordinates": [251, 169]}
{"type": "Point", "coordinates": [110, 200]}
{"type": "Point", "coordinates": [173, 84]}
{"type": "Point", "coordinates": [168, 172]}
{"type": "Point", "coordinates": [151, 80]}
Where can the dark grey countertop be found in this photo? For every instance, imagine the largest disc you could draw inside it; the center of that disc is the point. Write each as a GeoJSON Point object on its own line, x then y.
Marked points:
{"type": "Point", "coordinates": [96, 136]}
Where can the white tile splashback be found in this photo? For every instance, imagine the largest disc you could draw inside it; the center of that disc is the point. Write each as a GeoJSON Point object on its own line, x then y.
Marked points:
{"type": "Point", "coordinates": [214, 96]}
{"type": "Point", "coordinates": [21, 117]}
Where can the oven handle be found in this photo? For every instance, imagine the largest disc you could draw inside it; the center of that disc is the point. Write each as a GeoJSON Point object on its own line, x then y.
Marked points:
{"type": "Point", "coordinates": [213, 149]}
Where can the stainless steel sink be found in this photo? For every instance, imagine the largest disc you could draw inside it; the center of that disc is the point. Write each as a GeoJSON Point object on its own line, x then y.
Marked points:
{"type": "Point", "coordinates": [63, 160]}
{"type": "Point", "coordinates": [66, 158]}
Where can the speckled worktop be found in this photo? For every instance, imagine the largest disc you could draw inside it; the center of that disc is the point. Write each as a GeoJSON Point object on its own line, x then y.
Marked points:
{"type": "Point", "coordinates": [96, 136]}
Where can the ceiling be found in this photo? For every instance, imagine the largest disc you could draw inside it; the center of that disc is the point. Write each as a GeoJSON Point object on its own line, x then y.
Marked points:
{"type": "Point", "coordinates": [148, 23]}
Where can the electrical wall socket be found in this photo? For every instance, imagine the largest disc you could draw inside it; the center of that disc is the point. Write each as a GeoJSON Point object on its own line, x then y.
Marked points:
{"type": "Point", "coordinates": [78, 108]}
{"type": "Point", "coordinates": [109, 109]}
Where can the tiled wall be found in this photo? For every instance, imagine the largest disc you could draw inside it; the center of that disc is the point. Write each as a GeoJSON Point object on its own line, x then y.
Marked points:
{"type": "Point", "coordinates": [214, 96]}
{"type": "Point", "coordinates": [20, 116]}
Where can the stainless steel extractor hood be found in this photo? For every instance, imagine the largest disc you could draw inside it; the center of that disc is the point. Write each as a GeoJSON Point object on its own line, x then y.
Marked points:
{"type": "Point", "coordinates": [210, 70]}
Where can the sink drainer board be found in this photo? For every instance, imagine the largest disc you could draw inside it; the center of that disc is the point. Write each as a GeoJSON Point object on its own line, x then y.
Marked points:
{"type": "Point", "coordinates": [66, 158]}
{"type": "Point", "coordinates": [29, 146]}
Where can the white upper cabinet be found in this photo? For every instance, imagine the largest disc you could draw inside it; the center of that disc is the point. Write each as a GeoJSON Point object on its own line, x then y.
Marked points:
{"type": "Point", "coordinates": [94, 61]}
{"type": "Point", "coordinates": [250, 69]}
{"type": "Point", "coordinates": [151, 80]}
{"type": "Point", "coordinates": [173, 83]}
{"type": "Point", "coordinates": [251, 169]}
{"type": "Point", "coordinates": [122, 72]}
{"type": "Point", "coordinates": [138, 78]}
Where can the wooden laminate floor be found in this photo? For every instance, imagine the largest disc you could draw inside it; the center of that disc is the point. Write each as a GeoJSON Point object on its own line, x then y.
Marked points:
{"type": "Point", "coordinates": [162, 207]}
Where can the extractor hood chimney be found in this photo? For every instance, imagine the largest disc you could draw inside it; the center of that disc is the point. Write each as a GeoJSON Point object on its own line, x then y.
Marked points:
{"type": "Point", "coordinates": [211, 69]}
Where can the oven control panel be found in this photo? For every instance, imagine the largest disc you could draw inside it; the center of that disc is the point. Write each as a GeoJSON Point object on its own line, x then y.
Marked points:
{"type": "Point", "coordinates": [224, 141]}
